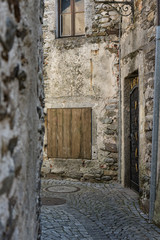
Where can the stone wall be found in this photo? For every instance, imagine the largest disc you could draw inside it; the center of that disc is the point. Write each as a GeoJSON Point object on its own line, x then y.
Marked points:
{"type": "Point", "coordinates": [139, 55]}
{"type": "Point", "coordinates": [83, 72]}
{"type": "Point", "coordinates": [21, 115]}
{"type": "Point", "coordinates": [156, 217]}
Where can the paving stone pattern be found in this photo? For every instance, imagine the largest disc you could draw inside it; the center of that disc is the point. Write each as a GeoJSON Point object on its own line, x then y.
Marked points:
{"type": "Point", "coordinates": [95, 212]}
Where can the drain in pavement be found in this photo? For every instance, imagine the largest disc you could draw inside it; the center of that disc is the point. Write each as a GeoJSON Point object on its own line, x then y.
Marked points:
{"type": "Point", "coordinates": [53, 201]}
{"type": "Point", "coordinates": [62, 189]}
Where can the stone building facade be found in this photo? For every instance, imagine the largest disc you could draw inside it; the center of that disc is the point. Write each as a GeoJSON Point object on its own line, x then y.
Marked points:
{"type": "Point", "coordinates": [138, 61]}
{"type": "Point", "coordinates": [82, 72]}
{"type": "Point", "coordinates": [21, 117]}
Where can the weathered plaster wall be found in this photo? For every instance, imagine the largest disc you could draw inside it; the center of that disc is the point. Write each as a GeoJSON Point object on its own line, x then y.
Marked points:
{"type": "Point", "coordinates": [83, 72]}
{"type": "Point", "coordinates": [139, 37]}
{"type": "Point", "coordinates": [21, 101]}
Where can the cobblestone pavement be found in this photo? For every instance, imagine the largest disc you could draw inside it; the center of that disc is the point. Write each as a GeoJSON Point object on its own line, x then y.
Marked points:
{"type": "Point", "coordinates": [93, 212]}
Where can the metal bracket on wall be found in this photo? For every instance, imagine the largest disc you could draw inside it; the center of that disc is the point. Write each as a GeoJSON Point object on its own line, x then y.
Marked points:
{"type": "Point", "coordinates": [124, 8]}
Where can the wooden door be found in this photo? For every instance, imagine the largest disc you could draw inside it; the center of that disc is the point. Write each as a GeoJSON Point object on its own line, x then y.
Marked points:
{"type": "Point", "coordinates": [134, 133]}
{"type": "Point", "coordinates": [69, 133]}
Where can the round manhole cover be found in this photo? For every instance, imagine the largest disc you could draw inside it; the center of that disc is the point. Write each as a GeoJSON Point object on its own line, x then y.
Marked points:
{"type": "Point", "coordinates": [62, 189]}
{"type": "Point", "coordinates": [53, 201]}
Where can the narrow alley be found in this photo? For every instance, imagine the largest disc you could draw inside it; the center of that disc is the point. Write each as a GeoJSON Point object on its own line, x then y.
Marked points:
{"type": "Point", "coordinates": [92, 211]}
{"type": "Point", "coordinates": [80, 101]}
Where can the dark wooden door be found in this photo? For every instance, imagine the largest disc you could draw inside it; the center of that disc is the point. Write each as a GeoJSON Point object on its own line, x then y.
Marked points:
{"type": "Point", "coordinates": [134, 133]}
{"type": "Point", "coordinates": [69, 133]}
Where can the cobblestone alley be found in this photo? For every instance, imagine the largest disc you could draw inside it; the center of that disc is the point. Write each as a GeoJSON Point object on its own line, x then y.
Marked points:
{"type": "Point", "coordinates": [90, 211]}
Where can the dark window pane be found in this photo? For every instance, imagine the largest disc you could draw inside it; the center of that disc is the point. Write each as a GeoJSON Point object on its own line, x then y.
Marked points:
{"type": "Point", "coordinates": [79, 23]}
{"type": "Point", "coordinates": [65, 7]}
{"type": "Point", "coordinates": [65, 24]}
{"type": "Point", "coordinates": [79, 5]}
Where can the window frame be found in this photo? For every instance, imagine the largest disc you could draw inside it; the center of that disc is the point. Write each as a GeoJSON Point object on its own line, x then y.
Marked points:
{"type": "Point", "coordinates": [72, 4]}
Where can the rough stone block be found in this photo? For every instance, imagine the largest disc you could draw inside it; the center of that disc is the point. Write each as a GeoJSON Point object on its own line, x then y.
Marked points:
{"type": "Point", "coordinates": [110, 147]}
{"type": "Point", "coordinates": [106, 178]}
{"type": "Point", "coordinates": [110, 173]}
{"type": "Point", "coordinates": [109, 160]}
{"type": "Point", "coordinates": [88, 176]}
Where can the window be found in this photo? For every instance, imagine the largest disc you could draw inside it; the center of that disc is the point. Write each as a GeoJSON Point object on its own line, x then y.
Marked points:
{"type": "Point", "coordinates": [69, 133]}
{"type": "Point", "coordinates": [71, 18]}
